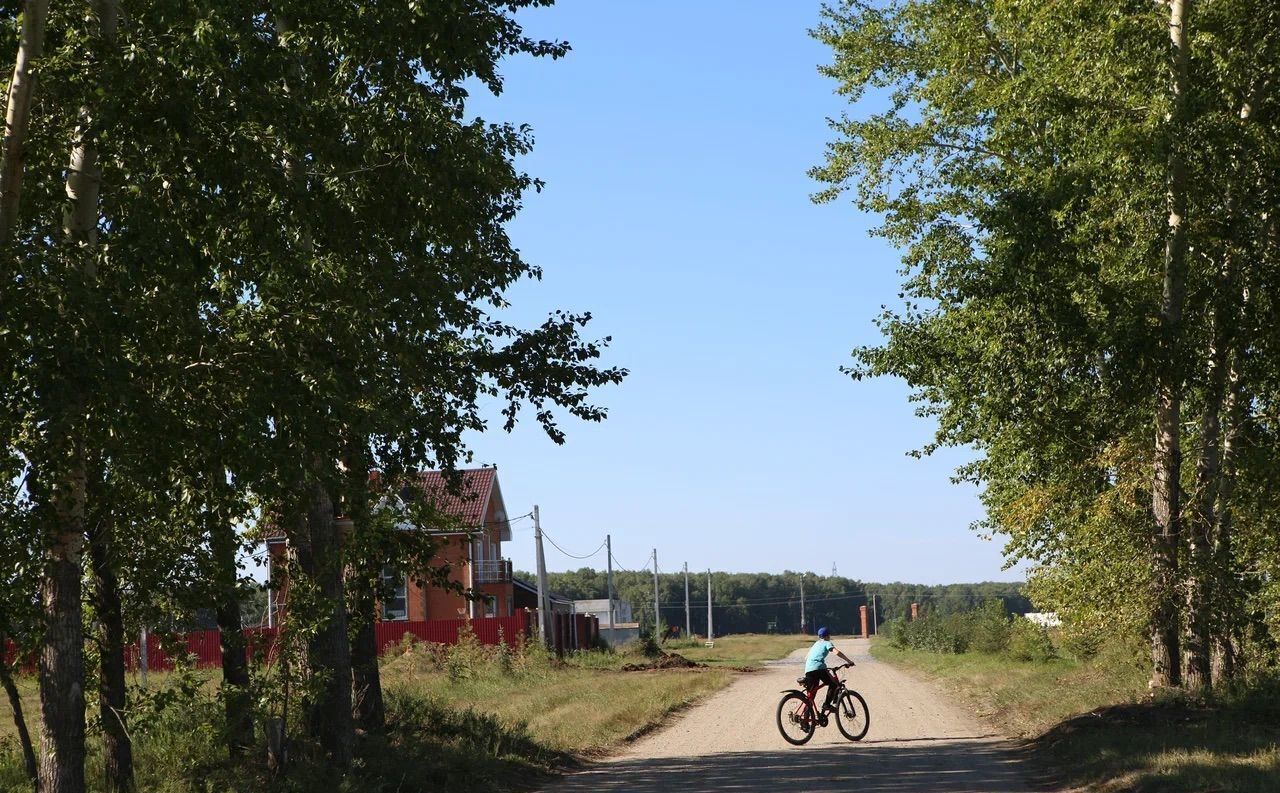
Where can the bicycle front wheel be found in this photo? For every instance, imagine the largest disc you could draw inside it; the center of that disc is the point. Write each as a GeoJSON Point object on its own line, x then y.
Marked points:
{"type": "Point", "coordinates": [852, 716]}
{"type": "Point", "coordinates": [796, 718]}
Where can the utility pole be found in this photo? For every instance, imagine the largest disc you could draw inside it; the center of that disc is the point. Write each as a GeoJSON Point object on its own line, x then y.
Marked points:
{"type": "Point", "coordinates": [875, 622]}
{"type": "Point", "coordinates": [608, 546]}
{"type": "Point", "coordinates": [542, 579]}
{"type": "Point", "coordinates": [711, 633]}
{"type": "Point", "coordinates": [802, 623]}
{"type": "Point", "coordinates": [688, 625]}
{"type": "Point", "coordinates": [656, 617]}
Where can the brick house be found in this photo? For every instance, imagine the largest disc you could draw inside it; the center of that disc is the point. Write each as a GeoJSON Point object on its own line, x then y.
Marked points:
{"type": "Point", "coordinates": [476, 562]}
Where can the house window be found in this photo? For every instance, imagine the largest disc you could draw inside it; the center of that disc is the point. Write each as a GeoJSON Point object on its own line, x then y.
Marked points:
{"type": "Point", "coordinates": [490, 606]}
{"type": "Point", "coordinates": [395, 604]}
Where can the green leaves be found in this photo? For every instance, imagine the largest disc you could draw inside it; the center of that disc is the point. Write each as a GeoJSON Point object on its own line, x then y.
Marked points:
{"type": "Point", "coordinates": [1019, 155]}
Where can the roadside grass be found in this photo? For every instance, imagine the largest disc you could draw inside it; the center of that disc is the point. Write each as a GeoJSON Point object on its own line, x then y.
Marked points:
{"type": "Point", "coordinates": [461, 716]}
{"type": "Point", "coordinates": [1090, 727]}
{"type": "Point", "coordinates": [178, 748]}
{"type": "Point", "coordinates": [742, 650]}
{"type": "Point", "coordinates": [464, 716]}
{"type": "Point", "coordinates": [1024, 697]}
{"type": "Point", "coordinates": [580, 706]}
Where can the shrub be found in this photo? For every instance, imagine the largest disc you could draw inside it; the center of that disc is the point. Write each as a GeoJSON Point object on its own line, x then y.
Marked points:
{"type": "Point", "coordinates": [1030, 642]}
{"type": "Point", "coordinates": [1080, 642]}
{"type": "Point", "coordinates": [466, 657]}
{"type": "Point", "coordinates": [933, 634]}
{"type": "Point", "coordinates": [989, 627]}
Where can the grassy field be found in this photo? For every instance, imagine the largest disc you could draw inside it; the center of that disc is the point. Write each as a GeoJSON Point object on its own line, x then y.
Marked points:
{"type": "Point", "coordinates": [582, 706]}
{"type": "Point", "coordinates": [1090, 726]}
{"type": "Point", "coordinates": [745, 651]}
{"type": "Point", "coordinates": [467, 716]}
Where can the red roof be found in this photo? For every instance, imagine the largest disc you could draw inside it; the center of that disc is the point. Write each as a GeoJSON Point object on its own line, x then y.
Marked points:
{"type": "Point", "coordinates": [476, 488]}
{"type": "Point", "coordinates": [469, 503]}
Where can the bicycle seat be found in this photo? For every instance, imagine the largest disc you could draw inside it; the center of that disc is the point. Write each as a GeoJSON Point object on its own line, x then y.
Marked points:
{"type": "Point", "coordinates": [800, 680]}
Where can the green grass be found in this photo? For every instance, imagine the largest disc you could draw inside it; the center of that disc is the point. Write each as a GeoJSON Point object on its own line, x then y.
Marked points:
{"type": "Point", "coordinates": [1091, 727]}
{"type": "Point", "coordinates": [1024, 697]}
{"type": "Point", "coordinates": [585, 706]}
{"type": "Point", "coordinates": [743, 650]}
{"type": "Point", "coordinates": [466, 717]}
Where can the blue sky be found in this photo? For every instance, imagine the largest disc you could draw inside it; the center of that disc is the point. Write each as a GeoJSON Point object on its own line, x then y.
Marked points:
{"type": "Point", "coordinates": [674, 141]}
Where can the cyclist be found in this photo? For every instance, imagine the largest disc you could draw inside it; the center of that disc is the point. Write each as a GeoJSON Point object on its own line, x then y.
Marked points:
{"type": "Point", "coordinates": [816, 671]}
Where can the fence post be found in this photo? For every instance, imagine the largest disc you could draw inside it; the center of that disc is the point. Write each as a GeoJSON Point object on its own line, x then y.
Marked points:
{"type": "Point", "coordinates": [142, 657]}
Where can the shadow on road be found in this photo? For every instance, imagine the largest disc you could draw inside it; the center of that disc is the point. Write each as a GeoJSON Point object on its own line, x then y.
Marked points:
{"type": "Point", "coordinates": [939, 766]}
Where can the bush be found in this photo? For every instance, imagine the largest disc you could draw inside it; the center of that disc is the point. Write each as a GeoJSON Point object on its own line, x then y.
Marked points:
{"type": "Point", "coordinates": [1081, 643]}
{"type": "Point", "coordinates": [467, 657]}
{"type": "Point", "coordinates": [1030, 642]}
{"type": "Point", "coordinates": [933, 634]}
{"type": "Point", "coordinates": [990, 627]}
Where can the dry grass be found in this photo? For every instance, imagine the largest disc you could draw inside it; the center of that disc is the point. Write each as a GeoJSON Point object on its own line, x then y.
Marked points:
{"type": "Point", "coordinates": [744, 650]}
{"type": "Point", "coordinates": [1024, 697]}
{"type": "Point", "coordinates": [579, 707]}
{"type": "Point", "coordinates": [1091, 728]}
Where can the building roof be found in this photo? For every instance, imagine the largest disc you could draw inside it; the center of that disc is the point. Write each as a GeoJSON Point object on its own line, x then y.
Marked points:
{"type": "Point", "coordinates": [476, 488]}
{"type": "Point", "coordinates": [532, 588]}
{"type": "Point", "coordinates": [469, 503]}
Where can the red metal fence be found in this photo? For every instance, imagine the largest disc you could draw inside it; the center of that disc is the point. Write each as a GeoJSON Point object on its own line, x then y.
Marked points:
{"type": "Point", "coordinates": [569, 632]}
{"type": "Point", "coordinates": [205, 647]}
{"type": "Point", "coordinates": [489, 630]}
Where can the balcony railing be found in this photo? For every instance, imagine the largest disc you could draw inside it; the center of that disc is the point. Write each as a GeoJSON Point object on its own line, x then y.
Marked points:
{"type": "Point", "coordinates": [493, 571]}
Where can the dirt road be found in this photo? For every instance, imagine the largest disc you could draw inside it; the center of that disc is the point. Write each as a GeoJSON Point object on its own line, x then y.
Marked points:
{"type": "Point", "coordinates": [918, 741]}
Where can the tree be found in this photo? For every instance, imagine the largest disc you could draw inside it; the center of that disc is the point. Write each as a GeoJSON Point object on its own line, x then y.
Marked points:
{"type": "Point", "coordinates": [1065, 184]}
{"type": "Point", "coordinates": [284, 239]}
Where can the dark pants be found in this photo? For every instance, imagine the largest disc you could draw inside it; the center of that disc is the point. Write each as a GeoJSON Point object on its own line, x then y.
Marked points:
{"type": "Point", "coordinates": [819, 676]}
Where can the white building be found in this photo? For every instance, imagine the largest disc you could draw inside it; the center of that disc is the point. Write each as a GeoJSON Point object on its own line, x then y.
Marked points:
{"type": "Point", "coordinates": [600, 610]}
{"type": "Point", "coordinates": [625, 628]}
{"type": "Point", "coordinates": [1045, 619]}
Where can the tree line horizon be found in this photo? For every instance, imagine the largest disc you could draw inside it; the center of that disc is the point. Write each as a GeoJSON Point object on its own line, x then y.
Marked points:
{"type": "Point", "coordinates": [770, 602]}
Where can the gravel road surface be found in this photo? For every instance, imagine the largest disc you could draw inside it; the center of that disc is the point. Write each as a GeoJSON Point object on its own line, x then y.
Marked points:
{"type": "Point", "coordinates": [919, 741]}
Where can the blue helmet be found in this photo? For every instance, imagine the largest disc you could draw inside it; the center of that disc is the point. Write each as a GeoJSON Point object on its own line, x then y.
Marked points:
{"type": "Point", "coordinates": [823, 633]}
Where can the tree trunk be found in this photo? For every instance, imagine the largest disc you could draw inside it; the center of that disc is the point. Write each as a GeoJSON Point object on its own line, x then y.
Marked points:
{"type": "Point", "coordinates": [365, 573]}
{"type": "Point", "coordinates": [366, 681]}
{"type": "Point", "coordinates": [1228, 603]}
{"type": "Point", "coordinates": [235, 667]}
{"type": "Point", "coordinates": [1166, 487]}
{"type": "Point", "coordinates": [117, 747]}
{"type": "Point", "coordinates": [18, 112]}
{"type": "Point", "coordinates": [1204, 585]}
{"type": "Point", "coordinates": [62, 727]}
{"type": "Point", "coordinates": [84, 178]}
{"type": "Point", "coordinates": [61, 669]}
{"type": "Point", "coordinates": [19, 720]}
{"type": "Point", "coordinates": [329, 651]}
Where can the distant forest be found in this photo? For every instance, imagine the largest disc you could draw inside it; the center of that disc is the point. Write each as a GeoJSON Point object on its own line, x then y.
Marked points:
{"type": "Point", "coordinates": [770, 602]}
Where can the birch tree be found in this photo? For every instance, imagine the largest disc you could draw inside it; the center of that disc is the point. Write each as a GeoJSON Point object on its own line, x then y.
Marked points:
{"type": "Point", "coordinates": [22, 88]}
{"type": "Point", "coordinates": [1063, 183]}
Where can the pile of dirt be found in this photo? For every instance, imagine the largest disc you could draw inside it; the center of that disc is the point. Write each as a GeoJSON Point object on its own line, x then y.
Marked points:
{"type": "Point", "coordinates": [664, 661]}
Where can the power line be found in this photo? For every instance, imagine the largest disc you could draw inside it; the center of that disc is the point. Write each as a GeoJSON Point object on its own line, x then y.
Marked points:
{"type": "Point", "coordinates": [625, 569]}
{"type": "Point", "coordinates": [783, 602]}
{"type": "Point", "coordinates": [547, 537]}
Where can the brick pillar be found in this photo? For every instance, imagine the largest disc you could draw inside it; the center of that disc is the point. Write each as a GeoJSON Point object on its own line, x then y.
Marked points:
{"type": "Point", "coordinates": [863, 611]}
{"type": "Point", "coordinates": [915, 611]}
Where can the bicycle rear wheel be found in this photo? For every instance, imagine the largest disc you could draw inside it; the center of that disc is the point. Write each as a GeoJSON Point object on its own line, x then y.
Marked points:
{"type": "Point", "coordinates": [796, 718]}
{"type": "Point", "coordinates": [852, 716]}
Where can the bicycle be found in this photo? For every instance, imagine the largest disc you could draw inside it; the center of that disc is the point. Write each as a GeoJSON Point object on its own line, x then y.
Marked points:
{"type": "Point", "coordinates": [799, 716]}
